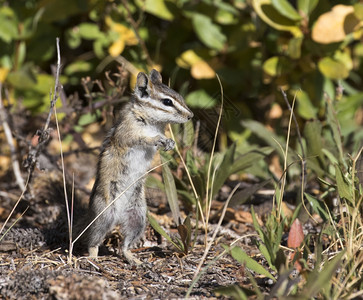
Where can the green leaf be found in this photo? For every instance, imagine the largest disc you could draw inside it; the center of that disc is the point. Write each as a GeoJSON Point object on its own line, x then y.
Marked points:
{"type": "Point", "coordinates": [9, 26]}
{"type": "Point", "coordinates": [318, 280]}
{"type": "Point", "coordinates": [79, 66]}
{"type": "Point", "coordinates": [286, 9]}
{"type": "Point", "coordinates": [333, 68]}
{"type": "Point", "coordinates": [267, 136]}
{"type": "Point", "coordinates": [242, 196]}
{"type": "Point", "coordinates": [154, 183]}
{"type": "Point", "coordinates": [188, 134]}
{"type": "Point", "coordinates": [344, 188]}
{"type": "Point", "coordinates": [231, 291]}
{"type": "Point", "coordinates": [335, 129]}
{"type": "Point", "coordinates": [277, 66]}
{"type": "Point", "coordinates": [295, 47]}
{"type": "Point", "coordinates": [161, 231]}
{"type": "Point", "coordinates": [268, 13]}
{"type": "Point", "coordinates": [317, 206]}
{"type": "Point", "coordinates": [87, 119]}
{"type": "Point", "coordinates": [208, 32]}
{"type": "Point", "coordinates": [358, 10]}
{"type": "Point", "coordinates": [242, 257]}
{"type": "Point", "coordinates": [307, 6]}
{"type": "Point", "coordinates": [200, 99]}
{"type": "Point", "coordinates": [314, 145]}
{"type": "Point", "coordinates": [89, 31]}
{"type": "Point", "coordinates": [223, 169]}
{"type": "Point", "coordinates": [304, 106]}
{"type": "Point", "coordinates": [22, 79]}
{"type": "Point", "coordinates": [312, 134]}
{"type": "Point", "coordinates": [171, 193]}
{"type": "Point", "coordinates": [248, 159]}
{"type": "Point", "coordinates": [159, 9]}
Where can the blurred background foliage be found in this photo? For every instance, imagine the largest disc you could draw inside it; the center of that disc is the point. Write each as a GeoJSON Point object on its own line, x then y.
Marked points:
{"type": "Point", "coordinates": [311, 49]}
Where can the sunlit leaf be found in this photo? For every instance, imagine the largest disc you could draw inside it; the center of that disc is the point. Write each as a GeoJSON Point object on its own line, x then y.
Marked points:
{"type": "Point", "coordinates": [200, 99]}
{"type": "Point", "coordinates": [171, 193]}
{"type": "Point", "coordinates": [161, 231]}
{"type": "Point", "coordinates": [333, 26]}
{"type": "Point", "coordinates": [304, 106]}
{"type": "Point", "coordinates": [242, 257]}
{"type": "Point", "coordinates": [117, 48]}
{"type": "Point", "coordinates": [286, 9]}
{"type": "Point", "coordinates": [333, 69]}
{"type": "Point", "coordinates": [158, 8]}
{"type": "Point", "coordinates": [202, 70]}
{"type": "Point", "coordinates": [277, 66]}
{"type": "Point", "coordinates": [268, 13]}
{"type": "Point", "coordinates": [89, 31]}
{"type": "Point", "coordinates": [208, 32]}
{"type": "Point", "coordinates": [307, 6]}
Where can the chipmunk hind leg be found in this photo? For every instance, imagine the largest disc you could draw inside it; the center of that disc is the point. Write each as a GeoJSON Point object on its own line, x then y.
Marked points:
{"type": "Point", "coordinates": [97, 232]}
{"type": "Point", "coordinates": [133, 224]}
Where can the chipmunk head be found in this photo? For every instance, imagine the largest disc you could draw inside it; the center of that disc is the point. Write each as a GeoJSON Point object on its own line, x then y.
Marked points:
{"type": "Point", "coordinates": [160, 103]}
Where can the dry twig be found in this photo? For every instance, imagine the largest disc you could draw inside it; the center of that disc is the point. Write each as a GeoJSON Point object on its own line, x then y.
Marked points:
{"type": "Point", "coordinates": [9, 137]}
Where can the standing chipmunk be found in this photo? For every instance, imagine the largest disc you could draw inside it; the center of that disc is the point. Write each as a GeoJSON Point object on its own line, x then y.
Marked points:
{"type": "Point", "coordinates": [126, 155]}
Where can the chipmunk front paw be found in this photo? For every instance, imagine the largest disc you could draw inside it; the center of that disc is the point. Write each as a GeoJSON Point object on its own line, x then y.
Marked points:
{"type": "Point", "coordinates": [167, 144]}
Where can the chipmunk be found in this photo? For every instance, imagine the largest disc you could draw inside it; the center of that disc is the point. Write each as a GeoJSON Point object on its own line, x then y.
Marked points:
{"type": "Point", "coordinates": [126, 156]}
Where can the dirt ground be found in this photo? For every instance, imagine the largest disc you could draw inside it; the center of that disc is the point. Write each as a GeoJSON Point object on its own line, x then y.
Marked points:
{"type": "Point", "coordinates": [34, 261]}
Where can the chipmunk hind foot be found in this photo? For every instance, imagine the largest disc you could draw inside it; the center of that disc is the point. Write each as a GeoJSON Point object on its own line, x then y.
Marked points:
{"type": "Point", "coordinates": [132, 260]}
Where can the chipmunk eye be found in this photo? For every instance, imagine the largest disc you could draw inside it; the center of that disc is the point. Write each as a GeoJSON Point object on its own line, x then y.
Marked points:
{"type": "Point", "coordinates": [167, 102]}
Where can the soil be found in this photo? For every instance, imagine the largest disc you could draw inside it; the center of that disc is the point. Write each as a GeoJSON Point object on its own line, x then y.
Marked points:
{"type": "Point", "coordinates": [35, 261]}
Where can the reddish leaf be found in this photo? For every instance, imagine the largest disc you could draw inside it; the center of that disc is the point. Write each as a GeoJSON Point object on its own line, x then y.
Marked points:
{"type": "Point", "coordinates": [296, 235]}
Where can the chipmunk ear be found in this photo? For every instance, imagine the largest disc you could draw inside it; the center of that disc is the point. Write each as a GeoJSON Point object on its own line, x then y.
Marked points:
{"type": "Point", "coordinates": [155, 76]}
{"type": "Point", "coordinates": [141, 88]}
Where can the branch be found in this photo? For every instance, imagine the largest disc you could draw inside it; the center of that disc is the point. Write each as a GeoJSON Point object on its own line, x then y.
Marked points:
{"type": "Point", "coordinates": [9, 138]}
{"type": "Point", "coordinates": [136, 30]}
{"type": "Point", "coordinates": [31, 160]}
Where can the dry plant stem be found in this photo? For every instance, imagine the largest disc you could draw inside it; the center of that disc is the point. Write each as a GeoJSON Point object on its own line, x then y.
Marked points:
{"type": "Point", "coordinates": [279, 204]}
{"type": "Point", "coordinates": [297, 130]}
{"type": "Point", "coordinates": [135, 26]}
{"type": "Point", "coordinates": [356, 209]}
{"type": "Point", "coordinates": [189, 176]}
{"type": "Point", "coordinates": [196, 277]}
{"type": "Point", "coordinates": [114, 200]}
{"type": "Point", "coordinates": [209, 245]}
{"type": "Point", "coordinates": [16, 204]}
{"type": "Point", "coordinates": [9, 138]}
{"type": "Point", "coordinates": [43, 134]}
{"type": "Point", "coordinates": [208, 201]}
{"type": "Point", "coordinates": [12, 225]}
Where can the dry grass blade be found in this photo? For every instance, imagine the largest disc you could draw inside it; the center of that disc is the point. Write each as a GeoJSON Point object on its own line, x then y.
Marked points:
{"type": "Point", "coordinates": [209, 245]}
{"type": "Point", "coordinates": [189, 177]}
{"type": "Point", "coordinates": [207, 197]}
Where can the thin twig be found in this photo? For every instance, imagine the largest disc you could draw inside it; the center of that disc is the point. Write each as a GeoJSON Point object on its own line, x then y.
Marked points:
{"type": "Point", "coordinates": [209, 245]}
{"type": "Point", "coordinates": [9, 137]}
{"type": "Point", "coordinates": [207, 204]}
{"type": "Point", "coordinates": [31, 160]}
{"type": "Point", "coordinates": [135, 26]}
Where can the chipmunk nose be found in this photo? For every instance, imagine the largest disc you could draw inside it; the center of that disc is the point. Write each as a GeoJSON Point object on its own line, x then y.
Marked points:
{"type": "Point", "coordinates": [191, 115]}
